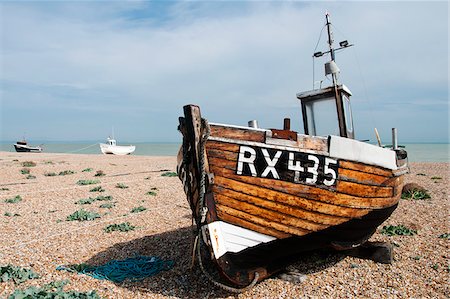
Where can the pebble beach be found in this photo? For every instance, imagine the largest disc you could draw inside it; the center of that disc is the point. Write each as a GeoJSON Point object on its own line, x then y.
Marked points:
{"type": "Point", "coordinates": [36, 233]}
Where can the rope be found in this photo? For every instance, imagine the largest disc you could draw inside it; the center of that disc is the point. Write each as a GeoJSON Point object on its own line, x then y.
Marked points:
{"type": "Point", "coordinates": [79, 150]}
{"type": "Point", "coordinates": [215, 282]}
{"type": "Point", "coordinates": [132, 269]}
{"type": "Point", "coordinates": [205, 136]}
{"type": "Point", "coordinates": [197, 241]}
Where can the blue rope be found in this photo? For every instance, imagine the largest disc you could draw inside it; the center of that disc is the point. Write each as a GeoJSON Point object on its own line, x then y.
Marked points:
{"type": "Point", "coordinates": [133, 269]}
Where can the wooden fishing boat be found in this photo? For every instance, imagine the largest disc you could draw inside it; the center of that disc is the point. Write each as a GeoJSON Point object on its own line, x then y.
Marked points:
{"type": "Point", "coordinates": [261, 196]}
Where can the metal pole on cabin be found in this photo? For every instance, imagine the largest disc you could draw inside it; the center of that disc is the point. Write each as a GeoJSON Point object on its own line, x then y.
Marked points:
{"type": "Point", "coordinates": [330, 36]}
{"type": "Point", "coordinates": [330, 45]}
{"type": "Point", "coordinates": [287, 124]}
{"type": "Point", "coordinates": [253, 123]}
{"type": "Point", "coordinates": [394, 139]}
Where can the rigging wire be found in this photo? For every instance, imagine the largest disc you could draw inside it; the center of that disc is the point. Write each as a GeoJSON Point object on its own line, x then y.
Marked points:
{"type": "Point", "coordinates": [317, 44]}
{"type": "Point", "coordinates": [364, 97]}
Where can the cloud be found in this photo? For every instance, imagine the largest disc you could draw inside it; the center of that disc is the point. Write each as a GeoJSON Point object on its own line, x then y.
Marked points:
{"type": "Point", "coordinates": [135, 64]}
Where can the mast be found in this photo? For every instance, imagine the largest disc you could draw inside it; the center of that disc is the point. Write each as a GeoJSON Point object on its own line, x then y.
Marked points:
{"type": "Point", "coordinates": [331, 51]}
{"type": "Point", "coordinates": [330, 36]}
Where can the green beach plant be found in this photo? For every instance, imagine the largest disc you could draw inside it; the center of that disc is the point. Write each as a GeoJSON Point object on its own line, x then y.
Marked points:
{"type": "Point", "coordinates": [122, 227]}
{"type": "Point", "coordinates": [436, 178]}
{"type": "Point", "coordinates": [416, 194]}
{"type": "Point", "coordinates": [99, 173]}
{"type": "Point", "coordinates": [97, 189]}
{"type": "Point", "coordinates": [108, 205]}
{"type": "Point", "coordinates": [104, 198]}
{"type": "Point", "coordinates": [16, 274]}
{"type": "Point", "coordinates": [85, 201]}
{"type": "Point", "coordinates": [4, 189]}
{"type": "Point", "coordinates": [445, 236]}
{"type": "Point", "coordinates": [15, 199]}
{"type": "Point", "coordinates": [7, 214]}
{"type": "Point", "coordinates": [25, 171]}
{"type": "Point", "coordinates": [52, 290]}
{"type": "Point", "coordinates": [87, 170]}
{"type": "Point", "coordinates": [138, 209]}
{"type": "Point", "coordinates": [397, 230]}
{"type": "Point", "coordinates": [50, 174]}
{"type": "Point", "coordinates": [169, 174]}
{"type": "Point", "coordinates": [151, 193]}
{"type": "Point", "coordinates": [28, 164]}
{"type": "Point", "coordinates": [121, 186]}
{"type": "Point", "coordinates": [30, 177]}
{"type": "Point", "coordinates": [87, 182]}
{"type": "Point", "coordinates": [66, 172]}
{"type": "Point", "coordinates": [82, 215]}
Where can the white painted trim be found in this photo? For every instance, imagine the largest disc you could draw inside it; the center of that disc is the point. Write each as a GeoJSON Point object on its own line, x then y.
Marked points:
{"type": "Point", "coordinates": [354, 150]}
{"type": "Point", "coordinates": [226, 237]}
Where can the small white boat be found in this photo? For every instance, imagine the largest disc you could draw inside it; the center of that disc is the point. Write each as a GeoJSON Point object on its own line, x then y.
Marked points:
{"type": "Point", "coordinates": [23, 147]}
{"type": "Point", "coordinates": [111, 147]}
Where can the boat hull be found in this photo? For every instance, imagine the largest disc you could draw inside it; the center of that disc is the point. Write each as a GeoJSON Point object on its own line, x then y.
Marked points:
{"type": "Point", "coordinates": [120, 150]}
{"type": "Point", "coordinates": [287, 193]}
{"type": "Point", "coordinates": [20, 148]}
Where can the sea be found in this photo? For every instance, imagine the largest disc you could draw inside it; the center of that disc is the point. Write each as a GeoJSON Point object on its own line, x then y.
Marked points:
{"type": "Point", "coordinates": [417, 152]}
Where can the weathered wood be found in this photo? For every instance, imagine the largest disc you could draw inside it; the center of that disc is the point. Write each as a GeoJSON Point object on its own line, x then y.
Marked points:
{"type": "Point", "coordinates": [191, 138]}
{"type": "Point", "coordinates": [273, 216]}
{"type": "Point", "coordinates": [366, 168]}
{"type": "Point", "coordinates": [287, 199]}
{"type": "Point", "coordinates": [237, 133]}
{"type": "Point", "coordinates": [365, 178]}
{"type": "Point", "coordinates": [353, 196]}
{"type": "Point", "coordinates": [344, 173]}
{"type": "Point", "coordinates": [250, 225]}
{"type": "Point", "coordinates": [284, 134]}
{"type": "Point", "coordinates": [263, 222]}
{"type": "Point", "coordinates": [362, 190]}
{"type": "Point", "coordinates": [282, 207]}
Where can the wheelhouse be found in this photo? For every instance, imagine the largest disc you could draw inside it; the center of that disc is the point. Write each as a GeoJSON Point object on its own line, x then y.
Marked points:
{"type": "Point", "coordinates": [327, 111]}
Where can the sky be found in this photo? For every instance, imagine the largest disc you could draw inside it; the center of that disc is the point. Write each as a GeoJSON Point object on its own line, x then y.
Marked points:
{"type": "Point", "coordinates": [77, 70]}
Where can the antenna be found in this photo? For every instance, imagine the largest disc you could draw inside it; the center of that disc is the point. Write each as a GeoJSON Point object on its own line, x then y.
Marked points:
{"type": "Point", "coordinates": [331, 66]}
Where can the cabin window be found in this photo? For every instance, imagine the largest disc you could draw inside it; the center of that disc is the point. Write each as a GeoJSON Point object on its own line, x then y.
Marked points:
{"type": "Point", "coordinates": [348, 113]}
{"type": "Point", "coordinates": [322, 117]}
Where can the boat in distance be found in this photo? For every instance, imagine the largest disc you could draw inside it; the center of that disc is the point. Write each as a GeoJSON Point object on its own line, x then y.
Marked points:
{"type": "Point", "coordinates": [111, 147]}
{"type": "Point", "coordinates": [23, 147]}
{"type": "Point", "coordinates": [260, 197]}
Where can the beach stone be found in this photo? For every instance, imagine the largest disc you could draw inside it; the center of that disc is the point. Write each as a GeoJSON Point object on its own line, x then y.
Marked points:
{"type": "Point", "coordinates": [379, 252]}
{"type": "Point", "coordinates": [292, 276]}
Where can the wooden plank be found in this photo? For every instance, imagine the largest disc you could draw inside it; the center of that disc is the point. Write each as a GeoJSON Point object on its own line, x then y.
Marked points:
{"type": "Point", "coordinates": [288, 199]}
{"type": "Point", "coordinates": [221, 154]}
{"type": "Point", "coordinates": [282, 207]}
{"type": "Point", "coordinates": [252, 226]}
{"type": "Point", "coordinates": [231, 147]}
{"type": "Point", "coordinates": [361, 190]}
{"type": "Point", "coordinates": [312, 143]}
{"type": "Point", "coordinates": [365, 178]}
{"type": "Point", "coordinates": [353, 189]}
{"type": "Point", "coordinates": [261, 221]}
{"type": "Point", "coordinates": [306, 192]}
{"type": "Point", "coordinates": [366, 168]}
{"type": "Point", "coordinates": [281, 218]}
{"type": "Point", "coordinates": [237, 133]}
